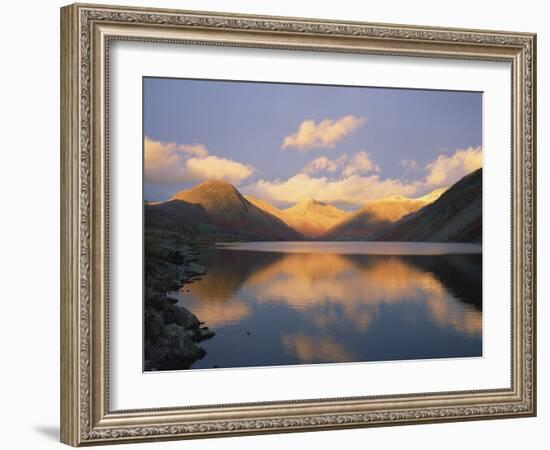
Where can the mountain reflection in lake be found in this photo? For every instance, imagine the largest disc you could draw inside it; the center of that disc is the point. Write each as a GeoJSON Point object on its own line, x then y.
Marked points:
{"type": "Point", "coordinates": [279, 308]}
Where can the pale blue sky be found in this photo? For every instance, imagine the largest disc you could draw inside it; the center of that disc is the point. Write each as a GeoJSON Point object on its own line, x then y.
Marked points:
{"type": "Point", "coordinates": [246, 122]}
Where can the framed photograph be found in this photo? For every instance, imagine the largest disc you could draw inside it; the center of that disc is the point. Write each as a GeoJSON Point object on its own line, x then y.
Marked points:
{"type": "Point", "coordinates": [276, 224]}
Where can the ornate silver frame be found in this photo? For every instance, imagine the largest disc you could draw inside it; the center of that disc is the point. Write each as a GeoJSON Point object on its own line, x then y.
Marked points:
{"type": "Point", "coordinates": [86, 31]}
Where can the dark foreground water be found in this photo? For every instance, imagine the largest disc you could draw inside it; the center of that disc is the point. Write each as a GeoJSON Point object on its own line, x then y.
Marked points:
{"type": "Point", "coordinates": [310, 302]}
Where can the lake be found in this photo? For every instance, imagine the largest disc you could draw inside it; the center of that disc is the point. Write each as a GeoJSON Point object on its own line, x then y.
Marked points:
{"type": "Point", "coordinates": [281, 303]}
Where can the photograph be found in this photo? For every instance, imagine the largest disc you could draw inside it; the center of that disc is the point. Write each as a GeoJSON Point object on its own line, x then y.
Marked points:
{"type": "Point", "coordinates": [291, 220]}
{"type": "Point", "coordinates": [290, 224]}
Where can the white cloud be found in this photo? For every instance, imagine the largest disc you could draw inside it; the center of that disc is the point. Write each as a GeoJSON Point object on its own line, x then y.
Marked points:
{"type": "Point", "coordinates": [446, 170]}
{"type": "Point", "coordinates": [195, 150]}
{"type": "Point", "coordinates": [323, 164]}
{"type": "Point", "coordinates": [170, 163]}
{"type": "Point", "coordinates": [353, 190]}
{"type": "Point", "coordinates": [360, 163]}
{"type": "Point", "coordinates": [164, 161]}
{"type": "Point", "coordinates": [325, 134]}
{"type": "Point", "coordinates": [213, 167]}
{"type": "Point", "coordinates": [356, 188]}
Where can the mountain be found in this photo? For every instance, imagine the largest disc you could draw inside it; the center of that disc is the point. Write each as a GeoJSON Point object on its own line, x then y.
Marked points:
{"type": "Point", "coordinates": [312, 218]}
{"type": "Point", "coordinates": [218, 206]}
{"type": "Point", "coordinates": [309, 217]}
{"type": "Point", "coordinates": [453, 217]}
{"type": "Point", "coordinates": [266, 206]}
{"type": "Point", "coordinates": [378, 215]}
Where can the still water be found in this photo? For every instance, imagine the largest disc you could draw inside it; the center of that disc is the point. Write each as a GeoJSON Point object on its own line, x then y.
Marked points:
{"type": "Point", "coordinates": [279, 303]}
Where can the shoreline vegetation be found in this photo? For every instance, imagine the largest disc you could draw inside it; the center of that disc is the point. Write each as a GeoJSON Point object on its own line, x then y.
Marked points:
{"type": "Point", "coordinates": [215, 212]}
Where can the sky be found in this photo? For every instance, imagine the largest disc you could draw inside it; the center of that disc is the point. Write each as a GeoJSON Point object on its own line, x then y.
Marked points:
{"type": "Point", "coordinates": [286, 142]}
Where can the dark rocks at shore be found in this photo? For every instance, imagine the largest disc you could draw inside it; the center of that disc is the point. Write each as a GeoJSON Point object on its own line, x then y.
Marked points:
{"type": "Point", "coordinates": [172, 271]}
{"type": "Point", "coordinates": [172, 332]}
{"type": "Point", "coordinates": [168, 346]}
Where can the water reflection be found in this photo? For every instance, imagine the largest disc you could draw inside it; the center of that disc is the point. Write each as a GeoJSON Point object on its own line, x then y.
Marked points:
{"type": "Point", "coordinates": [310, 350]}
{"type": "Point", "coordinates": [272, 308]}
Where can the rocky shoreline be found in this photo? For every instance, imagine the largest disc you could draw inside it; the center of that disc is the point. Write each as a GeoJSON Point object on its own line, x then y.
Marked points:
{"type": "Point", "coordinates": [172, 333]}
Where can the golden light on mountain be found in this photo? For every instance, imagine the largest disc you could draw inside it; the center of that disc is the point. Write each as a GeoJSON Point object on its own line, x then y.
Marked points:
{"type": "Point", "coordinates": [210, 194]}
{"type": "Point", "coordinates": [309, 217]}
{"type": "Point", "coordinates": [392, 209]}
{"type": "Point", "coordinates": [378, 214]}
{"type": "Point", "coordinates": [266, 206]}
{"type": "Point", "coordinates": [312, 218]}
{"type": "Point", "coordinates": [220, 204]}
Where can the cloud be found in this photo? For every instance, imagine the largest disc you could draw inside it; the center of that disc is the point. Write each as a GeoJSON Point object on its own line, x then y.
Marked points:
{"type": "Point", "coordinates": [309, 350]}
{"type": "Point", "coordinates": [170, 163]}
{"type": "Point", "coordinates": [163, 161]}
{"type": "Point", "coordinates": [352, 190]}
{"type": "Point", "coordinates": [195, 150]}
{"type": "Point", "coordinates": [360, 162]}
{"type": "Point", "coordinates": [213, 167]}
{"type": "Point", "coordinates": [357, 186]}
{"type": "Point", "coordinates": [323, 164]}
{"type": "Point", "coordinates": [325, 134]}
{"type": "Point", "coordinates": [446, 170]}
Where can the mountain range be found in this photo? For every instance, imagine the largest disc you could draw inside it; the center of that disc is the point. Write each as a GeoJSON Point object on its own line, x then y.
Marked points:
{"type": "Point", "coordinates": [217, 206]}
{"type": "Point", "coordinates": [309, 217]}
{"type": "Point", "coordinates": [456, 216]}
{"type": "Point", "coordinates": [443, 215]}
{"type": "Point", "coordinates": [378, 215]}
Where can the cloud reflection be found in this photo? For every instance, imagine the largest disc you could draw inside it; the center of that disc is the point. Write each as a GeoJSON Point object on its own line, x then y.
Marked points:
{"type": "Point", "coordinates": [316, 304]}
{"type": "Point", "coordinates": [309, 350]}
{"type": "Point", "coordinates": [328, 289]}
{"type": "Point", "coordinates": [310, 282]}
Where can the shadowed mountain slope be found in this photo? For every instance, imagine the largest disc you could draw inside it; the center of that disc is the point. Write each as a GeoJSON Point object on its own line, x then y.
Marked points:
{"type": "Point", "coordinates": [218, 205]}
{"type": "Point", "coordinates": [377, 215]}
{"type": "Point", "coordinates": [453, 217]}
{"type": "Point", "coordinates": [266, 206]}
